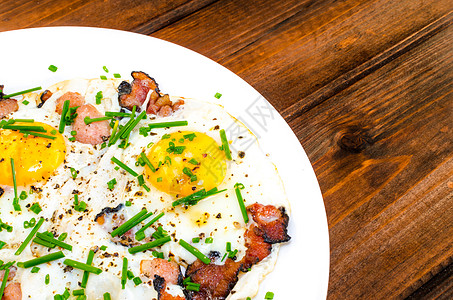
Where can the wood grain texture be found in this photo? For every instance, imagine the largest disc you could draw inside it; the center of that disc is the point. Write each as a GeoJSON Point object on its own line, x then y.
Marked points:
{"type": "Point", "coordinates": [382, 151]}
{"type": "Point", "coordinates": [116, 14]}
{"type": "Point", "coordinates": [366, 85]}
{"type": "Point", "coordinates": [309, 43]}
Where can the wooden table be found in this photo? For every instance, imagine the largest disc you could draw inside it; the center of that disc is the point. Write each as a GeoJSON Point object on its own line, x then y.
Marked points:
{"type": "Point", "coordinates": [367, 86]}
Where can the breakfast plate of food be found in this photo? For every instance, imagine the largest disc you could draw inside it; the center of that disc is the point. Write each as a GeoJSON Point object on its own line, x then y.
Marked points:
{"type": "Point", "coordinates": [133, 168]}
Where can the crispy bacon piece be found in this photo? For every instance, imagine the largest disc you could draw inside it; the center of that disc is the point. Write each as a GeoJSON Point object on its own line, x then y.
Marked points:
{"type": "Point", "coordinates": [12, 291]}
{"type": "Point", "coordinates": [163, 272]}
{"type": "Point", "coordinates": [44, 97]}
{"type": "Point", "coordinates": [271, 221]}
{"type": "Point", "coordinates": [135, 93]}
{"type": "Point", "coordinates": [160, 285]}
{"type": "Point", "coordinates": [7, 106]}
{"type": "Point", "coordinates": [257, 248]}
{"type": "Point", "coordinates": [94, 133]}
{"type": "Point", "coordinates": [75, 99]}
{"type": "Point", "coordinates": [169, 270]}
{"type": "Point", "coordinates": [216, 281]}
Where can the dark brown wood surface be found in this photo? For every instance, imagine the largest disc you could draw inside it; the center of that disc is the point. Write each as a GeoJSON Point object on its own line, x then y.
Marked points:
{"type": "Point", "coordinates": [367, 87]}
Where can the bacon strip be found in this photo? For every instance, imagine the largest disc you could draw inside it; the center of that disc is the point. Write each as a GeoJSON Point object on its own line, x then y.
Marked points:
{"type": "Point", "coordinates": [272, 222]}
{"type": "Point", "coordinates": [94, 133]}
{"type": "Point", "coordinates": [8, 106]}
{"type": "Point", "coordinates": [136, 93]}
{"type": "Point", "coordinates": [216, 281]}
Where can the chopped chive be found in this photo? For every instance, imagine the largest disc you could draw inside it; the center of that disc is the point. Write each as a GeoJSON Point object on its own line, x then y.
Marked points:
{"type": "Point", "coordinates": [58, 297]}
{"type": "Point", "coordinates": [63, 116]}
{"type": "Point", "coordinates": [2, 287]}
{"type": "Point", "coordinates": [107, 296]}
{"type": "Point", "coordinates": [63, 236]}
{"type": "Point", "coordinates": [30, 236]}
{"type": "Point", "coordinates": [130, 275]}
{"type": "Point", "coordinates": [238, 187]}
{"type": "Point", "coordinates": [21, 92]}
{"type": "Point", "coordinates": [168, 124]}
{"type": "Point", "coordinates": [137, 281]}
{"type": "Point", "coordinates": [116, 114]}
{"type": "Point", "coordinates": [190, 136]}
{"type": "Point", "coordinates": [269, 296]}
{"type": "Point", "coordinates": [38, 134]}
{"type": "Point", "coordinates": [209, 240]}
{"type": "Point", "coordinates": [99, 97]}
{"type": "Point", "coordinates": [82, 266]}
{"type": "Point", "coordinates": [78, 292]}
{"type": "Point", "coordinates": [25, 128]}
{"type": "Point", "coordinates": [140, 234]}
{"type": "Point", "coordinates": [126, 226]}
{"type": "Point", "coordinates": [195, 251]}
{"type": "Point", "coordinates": [149, 245]}
{"type": "Point", "coordinates": [193, 161]}
{"type": "Point", "coordinates": [89, 120]}
{"type": "Point", "coordinates": [122, 165]}
{"type": "Point", "coordinates": [196, 197]}
{"type": "Point", "coordinates": [73, 133]}
{"type": "Point", "coordinates": [159, 179]}
{"type": "Point", "coordinates": [103, 77]}
{"type": "Point", "coordinates": [166, 136]}
{"type": "Point", "coordinates": [23, 121]}
{"type": "Point", "coordinates": [116, 75]}
{"type": "Point", "coordinates": [218, 95]}
{"type": "Point", "coordinates": [111, 184]}
{"type": "Point", "coordinates": [2, 244]}
{"type": "Point", "coordinates": [126, 133]}
{"type": "Point", "coordinates": [124, 273]}
{"type": "Point", "coordinates": [128, 203]}
{"type": "Point", "coordinates": [228, 246]}
{"type": "Point", "coordinates": [36, 208]}
{"type": "Point", "coordinates": [191, 286]}
{"type": "Point", "coordinates": [196, 240]}
{"type": "Point", "coordinates": [158, 254]}
{"type": "Point", "coordinates": [105, 69]}
{"type": "Point", "coordinates": [25, 102]}
{"type": "Point", "coordinates": [112, 138]}
{"type": "Point", "coordinates": [23, 195]}
{"type": "Point", "coordinates": [103, 248]}
{"type": "Point", "coordinates": [35, 270]}
{"type": "Point", "coordinates": [41, 260]}
{"type": "Point", "coordinates": [225, 144]}
{"type": "Point", "coordinates": [147, 162]}
{"type": "Point", "coordinates": [41, 242]}
{"type": "Point", "coordinates": [16, 199]}
{"type": "Point", "coordinates": [52, 240]}
{"type": "Point", "coordinates": [73, 173]}
{"type": "Point", "coordinates": [52, 68]}
{"type": "Point", "coordinates": [86, 274]}
{"type": "Point", "coordinates": [47, 279]}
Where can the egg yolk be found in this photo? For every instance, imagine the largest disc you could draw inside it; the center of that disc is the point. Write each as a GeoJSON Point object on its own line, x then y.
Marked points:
{"type": "Point", "coordinates": [186, 162]}
{"type": "Point", "coordinates": [35, 158]}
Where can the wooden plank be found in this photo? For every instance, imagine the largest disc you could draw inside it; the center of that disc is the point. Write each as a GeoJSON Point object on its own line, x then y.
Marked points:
{"type": "Point", "coordinates": [289, 49]}
{"type": "Point", "coordinates": [116, 14]}
{"type": "Point", "coordinates": [382, 150]}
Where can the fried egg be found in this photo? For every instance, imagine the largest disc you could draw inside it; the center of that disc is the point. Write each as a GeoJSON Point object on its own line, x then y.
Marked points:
{"type": "Point", "coordinates": [180, 161]}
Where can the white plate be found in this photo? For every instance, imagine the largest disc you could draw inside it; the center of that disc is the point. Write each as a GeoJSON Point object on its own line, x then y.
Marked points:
{"type": "Point", "coordinates": [302, 269]}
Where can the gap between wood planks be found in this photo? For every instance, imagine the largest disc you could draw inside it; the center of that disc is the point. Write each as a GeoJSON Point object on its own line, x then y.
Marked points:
{"type": "Point", "coordinates": [346, 80]}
